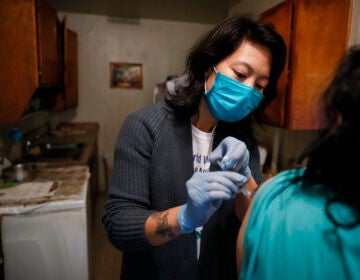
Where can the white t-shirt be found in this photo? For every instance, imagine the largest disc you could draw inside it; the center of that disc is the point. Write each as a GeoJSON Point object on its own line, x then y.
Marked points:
{"type": "Point", "coordinates": [202, 146]}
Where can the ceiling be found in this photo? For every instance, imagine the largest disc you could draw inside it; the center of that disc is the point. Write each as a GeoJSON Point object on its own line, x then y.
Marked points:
{"type": "Point", "coordinates": [201, 11]}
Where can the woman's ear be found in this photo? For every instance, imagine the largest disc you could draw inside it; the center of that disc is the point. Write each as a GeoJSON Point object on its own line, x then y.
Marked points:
{"type": "Point", "coordinates": [209, 78]}
{"type": "Point", "coordinates": [208, 71]}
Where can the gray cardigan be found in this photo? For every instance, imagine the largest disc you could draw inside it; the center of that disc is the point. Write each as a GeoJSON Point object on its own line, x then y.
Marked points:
{"type": "Point", "coordinates": [152, 161]}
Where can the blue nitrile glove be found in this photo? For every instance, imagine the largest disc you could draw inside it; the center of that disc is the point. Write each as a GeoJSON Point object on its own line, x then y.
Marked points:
{"type": "Point", "coordinates": [231, 154]}
{"type": "Point", "coordinates": [206, 192]}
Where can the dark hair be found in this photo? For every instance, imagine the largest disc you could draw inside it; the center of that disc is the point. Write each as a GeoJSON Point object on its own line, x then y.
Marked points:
{"type": "Point", "coordinates": [220, 42]}
{"type": "Point", "coordinates": [329, 155]}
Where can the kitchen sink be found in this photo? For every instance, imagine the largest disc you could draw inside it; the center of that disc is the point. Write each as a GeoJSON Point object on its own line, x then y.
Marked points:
{"type": "Point", "coordinates": [54, 152]}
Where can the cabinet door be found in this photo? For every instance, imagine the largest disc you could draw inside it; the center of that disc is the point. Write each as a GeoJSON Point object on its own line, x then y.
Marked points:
{"type": "Point", "coordinates": [68, 95]}
{"type": "Point", "coordinates": [280, 17]}
{"type": "Point", "coordinates": [48, 50]}
{"type": "Point", "coordinates": [320, 39]}
{"type": "Point", "coordinates": [18, 58]}
{"type": "Point", "coordinates": [70, 69]}
{"type": "Point", "coordinates": [316, 43]}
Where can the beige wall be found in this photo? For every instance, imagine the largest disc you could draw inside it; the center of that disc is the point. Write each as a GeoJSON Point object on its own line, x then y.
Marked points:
{"type": "Point", "coordinates": [161, 47]}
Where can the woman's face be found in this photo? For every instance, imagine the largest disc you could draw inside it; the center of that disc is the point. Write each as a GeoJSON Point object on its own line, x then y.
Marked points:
{"type": "Point", "coordinates": [249, 64]}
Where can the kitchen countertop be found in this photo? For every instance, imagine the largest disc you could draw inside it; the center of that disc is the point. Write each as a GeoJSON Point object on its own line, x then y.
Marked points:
{"type": "Point", "coordinates": [68, 177]}
{"type": "Point", "coordinates": [67, 189]}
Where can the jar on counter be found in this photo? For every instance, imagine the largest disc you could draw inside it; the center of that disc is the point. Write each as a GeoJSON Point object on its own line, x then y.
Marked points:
{"type": "Point", "coordinates": [16, 137]}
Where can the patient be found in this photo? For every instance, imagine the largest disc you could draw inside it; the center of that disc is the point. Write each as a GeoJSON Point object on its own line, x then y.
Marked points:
{"type": "Point", "coordinates": [304, 223]}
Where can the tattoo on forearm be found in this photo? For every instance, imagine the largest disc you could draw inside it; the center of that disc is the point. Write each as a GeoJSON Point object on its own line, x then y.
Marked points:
{"type": "Point", "coordinates": [163, 228]}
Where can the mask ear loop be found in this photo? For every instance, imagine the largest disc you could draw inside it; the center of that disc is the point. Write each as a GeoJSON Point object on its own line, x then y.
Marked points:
{"type": "Point", "coordinates": [206, 78]}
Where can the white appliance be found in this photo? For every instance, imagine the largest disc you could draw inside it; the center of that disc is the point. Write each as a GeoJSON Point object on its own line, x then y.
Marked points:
{"type": "Point", "coordinates": [48, 240]}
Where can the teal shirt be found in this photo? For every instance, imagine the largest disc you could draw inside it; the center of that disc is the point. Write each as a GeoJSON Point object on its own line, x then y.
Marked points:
{"type": "Point", "coordinates": [289, 236]}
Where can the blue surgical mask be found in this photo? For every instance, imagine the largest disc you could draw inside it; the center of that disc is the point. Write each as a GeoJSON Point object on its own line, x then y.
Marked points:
{"type": "Point", "coordinates": [230, 100]}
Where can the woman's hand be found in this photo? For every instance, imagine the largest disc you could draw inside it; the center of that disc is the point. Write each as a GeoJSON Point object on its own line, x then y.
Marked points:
{"type": "Point", "coordinates": [206, 193]}
{"type": "Point", "coordinates": [231, 154]}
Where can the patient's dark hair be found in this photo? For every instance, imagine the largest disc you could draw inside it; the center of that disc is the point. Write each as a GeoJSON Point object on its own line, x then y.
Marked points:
{"type": "Point", "coordinates": [329, 155]}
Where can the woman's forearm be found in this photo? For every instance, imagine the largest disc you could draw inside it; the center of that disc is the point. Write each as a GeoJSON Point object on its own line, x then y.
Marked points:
{"type": "Point", "coordinates": [162, 227]}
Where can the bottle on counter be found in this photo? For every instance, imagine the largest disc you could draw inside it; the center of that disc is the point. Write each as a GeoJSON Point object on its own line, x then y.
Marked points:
{"type": "Point", "coordinates": [16, 137]}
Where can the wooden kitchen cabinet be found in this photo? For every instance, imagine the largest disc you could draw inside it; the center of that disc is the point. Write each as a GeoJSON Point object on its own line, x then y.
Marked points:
{"type": "Point", "coordinates": [30, 57]}
{"type": "Point", "coordinates": [316, 34]}
{"type": "Point", "coordinates": [48, 45]}
{"type": "Point", "coordinates": [71, 70]}
{"type": "Point", "coordinates": [68, 97]}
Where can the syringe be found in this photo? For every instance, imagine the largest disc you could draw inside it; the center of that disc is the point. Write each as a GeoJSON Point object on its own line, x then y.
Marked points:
{"type": "Point", "coordinates": [244, 189]}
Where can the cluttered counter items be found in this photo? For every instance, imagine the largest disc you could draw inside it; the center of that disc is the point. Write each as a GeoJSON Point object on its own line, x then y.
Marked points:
{"type": "Point", "coordinates": [85, 133]}
{"type": "Point", "coordinates": [53, 189]}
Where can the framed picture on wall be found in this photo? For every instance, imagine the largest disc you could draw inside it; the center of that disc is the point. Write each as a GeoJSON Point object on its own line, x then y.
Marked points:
{"type": "Point", "coordinates": [126, 75]}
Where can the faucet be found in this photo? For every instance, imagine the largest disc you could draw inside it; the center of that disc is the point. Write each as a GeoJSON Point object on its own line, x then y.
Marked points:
{"type": "Point", "coordinates": [27, 146]}
{"type": "Point", "coordinates": [29, 142]}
